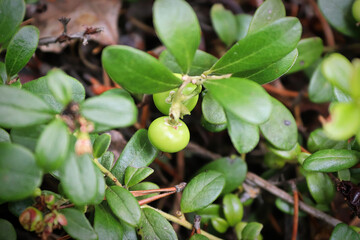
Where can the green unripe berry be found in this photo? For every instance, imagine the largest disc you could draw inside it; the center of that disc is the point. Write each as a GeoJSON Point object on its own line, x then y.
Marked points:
{"type": "Point", "coordinates": [356, 10]}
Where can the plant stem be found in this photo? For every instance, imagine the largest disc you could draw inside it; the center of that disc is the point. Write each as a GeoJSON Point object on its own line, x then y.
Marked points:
{"type": "Point", "coordinates": [182, 222]}
{"type": "Point", "coordinates": [106, 172]}
{"type": "Point", "coordinates": [175, 109]}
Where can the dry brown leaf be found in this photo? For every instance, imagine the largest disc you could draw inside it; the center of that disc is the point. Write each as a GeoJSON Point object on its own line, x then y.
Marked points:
{"type": "Point", "coordinates": [83, 13]}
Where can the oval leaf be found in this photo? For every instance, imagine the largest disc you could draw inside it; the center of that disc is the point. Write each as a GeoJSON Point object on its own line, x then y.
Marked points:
{"type": "Point", "coordinates": [154, 226]}
{"type": "Point", "coordinates": [202, 190]}
{"type": "Point", "coordinates": [18, 168]}
{"type": "Point", "coordinates": [251, 231]}
{"type": "Point", "coordinates": [320, 90]}
{"type": "Point", "coordinates": [139, 71]}
{"type": "Point", "coordinates": [344, 232]}
{"type": "Point", "coordinates": [21, 48]}
{"type": "Point", "coordinates": [281, 129]}
{"type": "Point", "coordinates": [105, 224]}
{"type": "Point", "coordinates": [241, 97]}
{"type": "Point", "coordinates": [60, 85]}
{"type": "Point", "coordinates": [243, 24]}
{"type": "Point", "coordinates": [331, 160]}
{"type": "Point", "coordinates": [212, 111]}
{"type": "Point", "coordinates": [224, 23]}
{"type": "Point", "coordinates": [123, 204]}
{"type": "Point", "coordinates": [107, 160]}
{"type": "Point", "coordinates": [319, 141]}
{"type": "Point", "coordinates": [27, 136]}
{"type": "Point", "coordinates": [320, 187]}
{"type": "Point", "coordinates": [4, 136]}
{"type": "Point", "coordinates": [12, 14]}
{"type": "Point", "coordinates": [135, 175]}
{"type": "Point", "coordinates": [101, 145]}
{"type": "Point", "coordinates": [181, 34]}
{"type": "Point", "coordinates": [7, 231]}
{"type": "Point", "coordinates": [233, 209]}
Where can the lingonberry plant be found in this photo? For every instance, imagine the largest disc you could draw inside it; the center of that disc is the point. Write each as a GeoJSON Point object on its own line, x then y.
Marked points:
{"type": "Point", "coordinates": [50, 129]}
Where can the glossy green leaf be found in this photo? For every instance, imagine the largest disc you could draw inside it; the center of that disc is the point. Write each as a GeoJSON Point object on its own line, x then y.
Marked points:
{"type": "Point", "coordinates": [341, 96]}
{"type": "Point", "coordinates": [3, 75]}
{"type": "Point", "coordinates": [337, 70]}
{"type": "Point", "coordinates": [154, 226]}
{"type": "Point", "coordinates": [219, 224]}
{"type": "Point", "coordinates": [135, 175]}
{"type": "Point", "coordinates": [251, 231]}
{"type": "Point", "coordinates": [20, 49]}
{"type": "Point", "coordinates": [145, 186]}
{"type": "Point", "coordinates": [241, 97]}
{"type": "Point", "coordinates": [138, 152]}
{"type": "Point", "coordinates": [344, 232]}
{"type": "Point", "coordinates": [123, 204]}
{"type": "Point", "coordinates": [355, 80]}
{"type": "Point", "coordinates": [107, 160]}
{"type": "Point", "coordinates": [268, 12]}
{"type": "Point", "coordinates": [101, 145]}
{"type": "Point", "coordinates": [20, 108]}
{"type": "Point", "coordinates": [7, 231]}
{"type": "Point", "coordinates": [272, 71]}
{"type": "Point", "coordinates": [339, 15]}
{"type": "Point", "coordinates": [211, 211]}
{"type": "Point", "coordinates": [212, 127]}
{"type": "Point", "coordinates": [78, 179]}
{"type": "Point", "coordinates": [4, 136]}
{"type": "Point", "coordinates": [310, 49]}
{"type": "Point", "coordinates": [202, 190]}
{"type": "Point", "coordinates": [17, 168]}
{"type": "Point", "coordinates": [319, 141]}
{"type": "Point", "coordinates": [274, 161]}
{"type": "Point", "coordinates": [198, 237]}
{"type": "Point", "coordinates": [202, 62]}
{"type": "Point", "coordinates": [243, 135]}
{"type": "Point", "coordinates": [224, 23]}
{"type": "Point", "coordinates": [52, 147]}
{"type": "Point", "coordinates": [27, 136]}
{"type": "Point", "coordinates": [320, 187]}
{"type": "Point", "coordinates": [233, 168]}
{"type": "Point", "coordinates": [344, 121]}
{"type": "Point", "coordinates": [40, 87]}
{"type": "Point", "coordinates": [129, 231]}
{"type": "Point", "coordinates": [286, 207]}
{"type": "Point", "coordinates": [100, 187]}
{"type": "Point", "coordinates": [180, 34]}
{"type": "Point", "coordinates": [78, 226]}
{"type": "Point", "coordinates": [105, 224]}
{"type": "Point", "coordinates": [60, 86]}
{"type": "Point", "coordinates": [331, 160]}
{"type": "Point", "coordinates": [111, 111]}
{"type": "Point", "coordinates": [281, 129]}
{"type": "Point", "coordinates": [12, 14]}
{"type": "Point", "coordinates": [212, 111]}
{"type": "Point", "coordinates": [320, 90]}
{"type": "Point", "coordinates": [286, 154]}
{"type": "Point", "coordinates": [233, 209]}
{"type": "Point", "coordinates": [139, 71]}
{"type": "Point", "coordinates": [243, 24]}
{"type": "Point", "coordinates": [239, 228]}
{"type": "Point", "coordinates": [258, 50]}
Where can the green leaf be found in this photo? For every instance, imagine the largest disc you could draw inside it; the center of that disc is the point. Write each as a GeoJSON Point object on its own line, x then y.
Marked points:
{"type": "Point", "coordinates": [286, 154]}
{"type": "Point", "coordinates": [267, 13]}
{"type": "Point", "coordinates": [20, 49]}
{"type": "Point", "coordinates": [198, 237]}
{"type": "Point", "coordinates": [137, 71]}
{"type": "Point", "coordinates": [224, 23]}
{"type": "Point", "coordinates": [339, 15]}
{"type": "Point", "coordinates": [129, 231]}
{"type": "Point", "coordinates": [27, 136]}
{"type": "Point", "coordinates": [107, 160]}
{"type": "Point", "coordinates": [319, 141]}
{"type": "Point", "coordinates": [272, 71]}
{"type": "Point", "coordinates": [286, 207]}
{"type": "Point", "coordinates": [344, 175]}
{"type": "Point", "coordinates": [233, 209]}
{"type": "Point", "coordinates": [243, 135]}
{"type": "Point", "coordinates": [243, 24]}
{"type": "Point", "coordinates": [251, 231]}
{"type": "Point", "coordinates": [60, 86]}
{"type": "Point", "coordinates": [180, 34]}
{"type": "Point", "coordinates": [52, 147]}
{"type": "Point", "coordinates": [19, 174]}
{"type": "Point", "coordinates": [12, 14]}
{"type": "Point", "coordinates": [320, 187]}
{"type": "Point", "coordinates": [212, 111]}
{"type": "Point", "coordinates": [20, 108]}
{"type": "Point", "coordinates": [281, 129]}
{"type": "Point", "coordinates": [40, 87]}
{"type": "Point", "coordinates": [154, 226]}
{"type": "Point", "coordinates": [320, 90]}
{"type": "Point", "coordinates": [219, 224]}
{"type": "Point", "coordinates": [310, 49]}
{"type": "Point", "coordinates": [258, 50]}
{"type": "Point", "coordinates": [135, 175]}
{"type": "Point", "coordinates": [123, 204]}
{"type": "Point", "coordinates": [241, 97]}
{"type": "Point", "coordinates": [4, 136]}
{"type": "Point", "coordinates": [145, 186]}
{"type": "Point", "coordinates": [344, 232]}
{"type": "Point", "coordinates": [355, 80]}
{"type": "Point", "coordinates": [138, 152]}
{"type": "Point", "coordinates": [105, 224]}
{"type": "Point", "coordinates": [202, 62]}
{"type": "Point", "coordinates": [211, 211]}
{"type": "Point", "coordinates": [110, 111]}
{"type": "Point", "coordinates": [101, 145]}
{"type": "Point", "coordinates": [78, 226]}
{"type": "Point", "coordinates": [212, 127]}
{"type": "Point", "coordinates": [78, 179]}
{"type": "Point", "coordinates": [331, 160]}
{"type": "Point", "coordinates": [344, 121]}
{"type": "Point", "coordinates": [337, 70]}
{"type": "Point", "coordinates": [202, 190]}
{"type": "Point", "coordinates": [3, 75]}
{"type": "Point", "coordinates": [100, 187]}
{"type": "Point", "coordinates": [233, 169]}
{"type": "Point", "coordinates": [7, 231]}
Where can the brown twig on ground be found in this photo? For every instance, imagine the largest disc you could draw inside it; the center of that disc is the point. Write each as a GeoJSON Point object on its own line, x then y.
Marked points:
{"type": "Point", "coordinates": [296, 211]}
{"type": "Point", "coordinates": [253, 178]}
{"type": "Point", "coordinates": [283, 92]}
{"type": "Point", "coordinates": [193, 147]}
